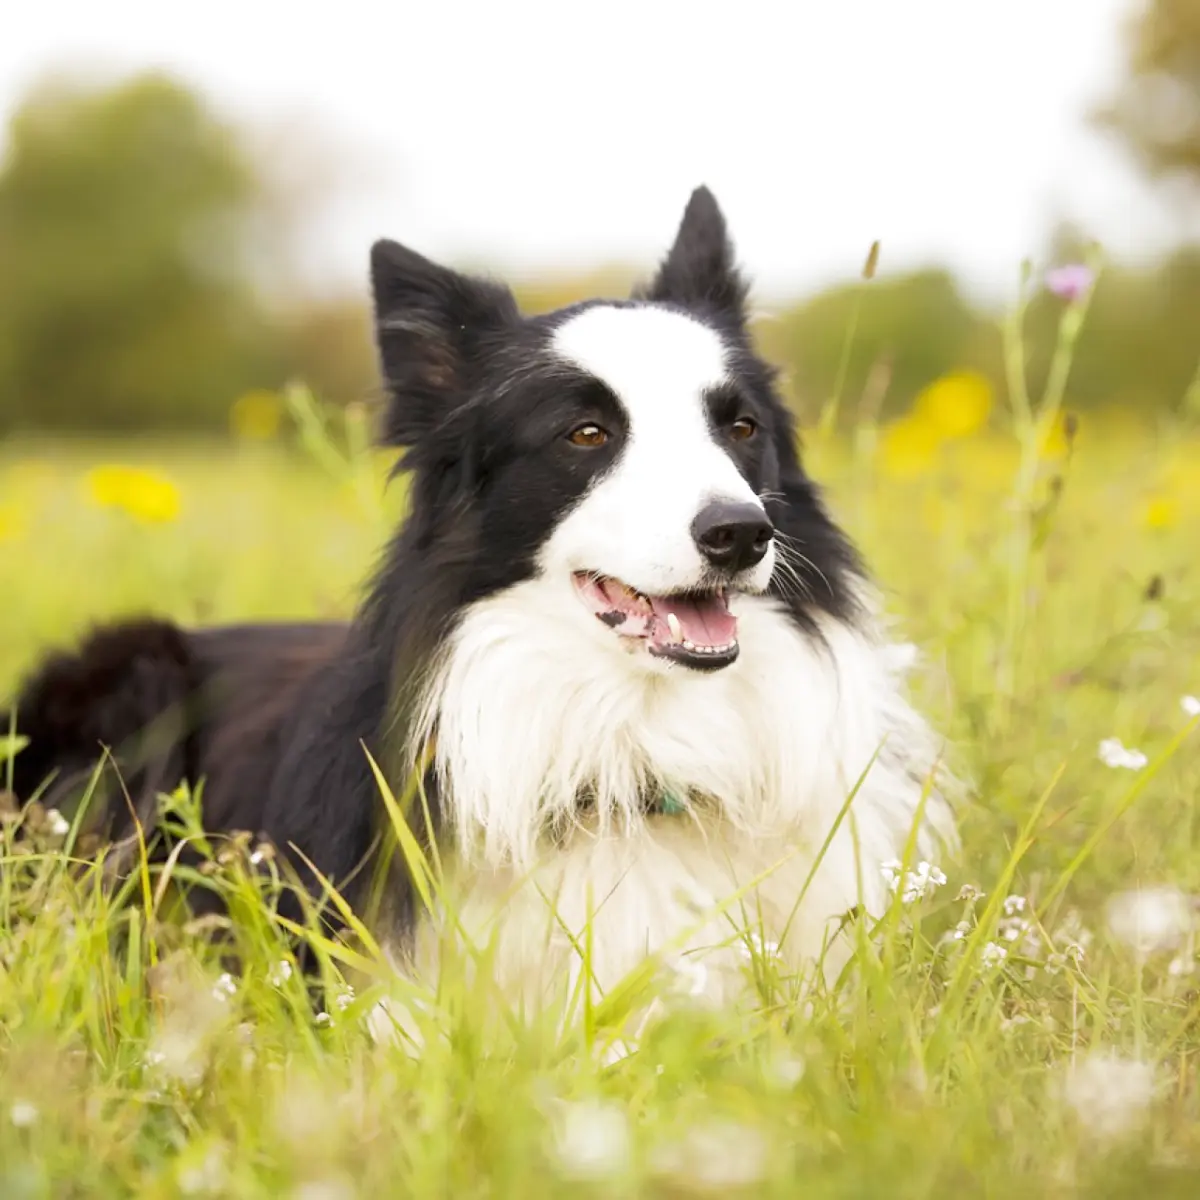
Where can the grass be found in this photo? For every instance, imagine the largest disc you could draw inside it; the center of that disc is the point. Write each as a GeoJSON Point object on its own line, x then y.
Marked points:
{"type": "Point", "coordinates": [129, 1064]}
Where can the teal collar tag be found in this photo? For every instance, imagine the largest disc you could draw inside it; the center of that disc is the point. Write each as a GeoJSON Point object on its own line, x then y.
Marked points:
{"type": "Point", "coordinates": [671, 805]}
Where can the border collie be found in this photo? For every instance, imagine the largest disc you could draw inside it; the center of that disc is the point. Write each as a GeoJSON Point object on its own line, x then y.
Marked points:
{"type": "Point", "coordinates": [638, 662]}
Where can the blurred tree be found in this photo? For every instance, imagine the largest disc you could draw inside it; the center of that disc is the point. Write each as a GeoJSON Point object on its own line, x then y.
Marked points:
{"type": "Point", "coordinates": [1158, 109]}
{"type": "Point", "coordinates": [125, 298]}
{"type": "Point", "coordinates": [329, 345]}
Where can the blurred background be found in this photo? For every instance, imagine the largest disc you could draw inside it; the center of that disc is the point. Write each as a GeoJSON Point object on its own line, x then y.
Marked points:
{"type": "Point", "coordinates": [186, 202]}
{"type": "Point", "coordinates": [188, 196]}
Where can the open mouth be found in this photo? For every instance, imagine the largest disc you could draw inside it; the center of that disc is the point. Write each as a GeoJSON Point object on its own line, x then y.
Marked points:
{"type": "Point", "coordinates": [695, 629]}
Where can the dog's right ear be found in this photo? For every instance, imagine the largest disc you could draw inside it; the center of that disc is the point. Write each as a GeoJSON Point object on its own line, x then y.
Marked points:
{"type": "Point", "coordinates": [431, 326]}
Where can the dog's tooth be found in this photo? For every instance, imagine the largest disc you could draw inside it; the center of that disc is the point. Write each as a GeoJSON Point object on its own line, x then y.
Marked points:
{"type": "Point", "coordinates": [674, 626]}
{"type": "Point", "coordinates": [687, 645]}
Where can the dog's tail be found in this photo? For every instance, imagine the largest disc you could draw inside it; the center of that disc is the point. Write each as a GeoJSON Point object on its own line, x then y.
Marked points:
{"type": "Point", "coordinates": [120, 702]}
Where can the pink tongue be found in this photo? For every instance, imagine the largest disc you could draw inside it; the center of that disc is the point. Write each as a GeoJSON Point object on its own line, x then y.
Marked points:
{"type": "Point", "coordinates": [703, 621]}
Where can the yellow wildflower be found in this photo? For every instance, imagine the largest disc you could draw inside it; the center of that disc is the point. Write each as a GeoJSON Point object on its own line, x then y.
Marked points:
{"type": "Point", "coordinates": [12, 523]}
{"type": "Point", "coordinates": [955, 405]}
{"type": "Point", "coordinates": [1160, 512]}
{"type": "Point", "coordinates": [909, 447]}
{"type": "Point", "coordinates": [144, 495]}
{"type": "Point", "coordinates": [256, 415]}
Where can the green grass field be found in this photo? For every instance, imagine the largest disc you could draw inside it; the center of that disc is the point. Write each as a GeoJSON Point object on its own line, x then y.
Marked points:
{"type": "Point", "coordinates": [1038, 1039]}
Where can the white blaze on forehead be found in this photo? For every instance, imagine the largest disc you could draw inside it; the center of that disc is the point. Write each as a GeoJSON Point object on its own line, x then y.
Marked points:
{"type": "Point", "coordinates": [635, 523]}
{"type": "Point", "coordinates": [652, 358]}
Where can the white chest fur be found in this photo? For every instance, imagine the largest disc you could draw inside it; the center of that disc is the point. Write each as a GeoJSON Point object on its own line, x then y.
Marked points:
{"type": "Point", "coordinates": [531, 713]}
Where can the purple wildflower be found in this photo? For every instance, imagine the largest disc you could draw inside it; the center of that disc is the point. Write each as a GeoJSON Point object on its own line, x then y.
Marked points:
{"type": "Point", "coordinates": [1070, 282]}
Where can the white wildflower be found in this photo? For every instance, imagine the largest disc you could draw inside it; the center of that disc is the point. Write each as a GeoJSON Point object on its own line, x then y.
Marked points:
{"type": "Point", "coordinates": [757, 947]}
{"type": "Point", "coordinates": [23, 1114]}
{"type": "Point", "coordinates": [992, 955]}
{"type": "Point", "coordinates": [1190, 706]}
{"type": "Point", "coordinates": [178, 1053]}
{"type": "Point", "coordinates": [280, 973]}
{"type": "Point", "coordinates": [1150, 919]}
{"type": "Point", "coordinates": [1020, 933]}
{"type": "Point", "coordinates": [323, 1020]}
{"type": "Point", "coordinates": [692, 974]}
{"type": "Point", "coordinates": [1181, 964]}
{"type": "Point", "coordinates": [1114, 754]}
{"type": "Point", "coordinates": [57, 824]}
{"type": "Point", "coordinates": [344, 999]}
{"type": "Point", "coordinates": [591, 1139]}
{"type": "Point", "coordinates": [924, 881]}
{"type": "Point", "coordinates": [718, 1156]}
{"type": "Point", "coordinates": [1073, 936]}
{"type": "Point", "coordinates": [1110, 1095]}
{"type": "Point", "coordinates": [225, 987]}
{"type": "Point", "coordinates": [1013, 905]}
{"type": "Point", "coordinates": [786, 1071]}
{"type": "Point", "coordinates": [1055, 963]}
{"type": "Point", "coordinates": [959, 933]}
{"type": "Point", "coordinates": [970, 893]}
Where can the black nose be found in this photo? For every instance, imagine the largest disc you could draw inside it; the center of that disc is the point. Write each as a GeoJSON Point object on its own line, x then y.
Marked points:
{"type": "Point", "coordinates": [732, 536]}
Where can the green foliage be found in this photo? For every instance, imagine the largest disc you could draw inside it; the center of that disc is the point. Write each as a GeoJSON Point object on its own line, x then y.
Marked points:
{"type": "Point", "coordinates": [918, 325]}
{"type": "Point", "coordinates": [125, 223]}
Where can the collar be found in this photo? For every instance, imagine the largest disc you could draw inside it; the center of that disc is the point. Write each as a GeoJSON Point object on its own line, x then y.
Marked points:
{"type": "Point", "coordinates": [669, 804]}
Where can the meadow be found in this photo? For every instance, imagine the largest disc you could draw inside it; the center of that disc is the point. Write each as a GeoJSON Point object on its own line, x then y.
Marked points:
{"type": "Point", "coordinates": [1026, 1027]}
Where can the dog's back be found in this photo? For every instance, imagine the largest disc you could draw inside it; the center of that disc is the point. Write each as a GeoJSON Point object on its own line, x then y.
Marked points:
{"type": "Point", "coordinates": [162, 704]}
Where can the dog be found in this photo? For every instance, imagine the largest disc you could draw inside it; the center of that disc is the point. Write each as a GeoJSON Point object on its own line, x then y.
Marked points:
{"type": "Point", "coordinates": [637, 665]}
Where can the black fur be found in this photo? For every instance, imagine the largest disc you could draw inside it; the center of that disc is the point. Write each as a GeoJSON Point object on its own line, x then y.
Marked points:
{"type": "Point", "coordinates": [274, 718]}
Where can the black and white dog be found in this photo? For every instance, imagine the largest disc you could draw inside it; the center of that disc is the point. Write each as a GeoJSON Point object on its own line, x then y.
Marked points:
{"type": "Point", "coordinates": [641, 661]}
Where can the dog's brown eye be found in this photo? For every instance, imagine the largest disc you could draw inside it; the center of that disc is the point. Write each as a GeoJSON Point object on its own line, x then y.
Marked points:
{"type": "Point", "coordinates": [589, 436]}
{"type": "Point", "coordinates": [742, 429]}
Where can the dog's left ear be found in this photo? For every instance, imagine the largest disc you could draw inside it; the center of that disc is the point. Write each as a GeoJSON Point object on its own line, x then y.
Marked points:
{"type": "Point", "coordinates": [432, 326]}
{"type": "Point", "coordinates": [699, 270]}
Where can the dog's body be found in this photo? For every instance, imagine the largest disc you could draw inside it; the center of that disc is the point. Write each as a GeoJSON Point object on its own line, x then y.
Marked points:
{"type": "Point", "coordinates": [644, 661]}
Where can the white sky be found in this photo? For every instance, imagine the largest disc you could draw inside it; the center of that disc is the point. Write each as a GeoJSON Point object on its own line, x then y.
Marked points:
{"type": "Point", "coordinates": [527, 135]}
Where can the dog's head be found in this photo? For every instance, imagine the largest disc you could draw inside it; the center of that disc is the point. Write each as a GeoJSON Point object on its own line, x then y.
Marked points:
{"type": "Point", "coordinates": [632, 452]}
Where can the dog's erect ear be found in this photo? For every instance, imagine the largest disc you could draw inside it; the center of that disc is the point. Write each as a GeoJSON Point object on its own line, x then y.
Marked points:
{"type": "Point", "coordinates": [431, 325]}
{"type": "Point", "coordinates": [699, 271]}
